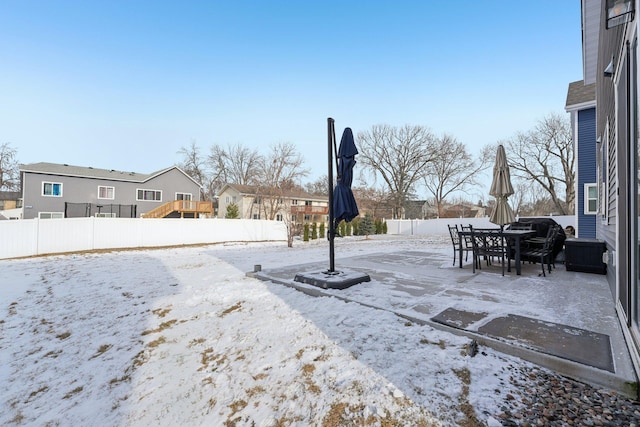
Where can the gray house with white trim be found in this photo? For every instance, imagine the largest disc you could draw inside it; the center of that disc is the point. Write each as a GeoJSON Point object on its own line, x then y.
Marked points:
{"type": "Point", "coordinates": [52, 190]}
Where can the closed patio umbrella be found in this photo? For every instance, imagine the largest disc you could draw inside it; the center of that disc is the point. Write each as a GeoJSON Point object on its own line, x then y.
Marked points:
{"type": "Point", "coordinates": [501, 189]}
{"type": "Point", "coordinates": [344, 204]}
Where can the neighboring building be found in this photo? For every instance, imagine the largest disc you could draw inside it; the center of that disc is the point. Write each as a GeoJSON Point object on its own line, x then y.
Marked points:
{"type": "Point", "coordinates": [259, 203]}
{"type": "Point", "coordinates": [610, 56]}
{"type": "Point", "coordinates": [10, 204]}
{"type": "Point", "coordinates": [63, 191]}
{"type": "Point", "coordinates": [581, 103]}
{"type": "Point", "coordinates": [463, 210]}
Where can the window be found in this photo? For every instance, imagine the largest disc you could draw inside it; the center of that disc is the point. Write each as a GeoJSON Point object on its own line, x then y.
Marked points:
{"type": "Point", "coordinates": [279, 217]}
{"type": "Point", "coordinates": [50, 215]}
{"type": "Point", "coordinates": [256, 216]}
{"type": "Point", "coordinates": [106, 192]}
{"type": "Point", "coordinates": [257, 200]}
{"type": "Point", "coordinates": [151, 195]}
{"type": "Point", "coordinates": [184, 196]}
{"type": "Point", "coordinates": [53, 189]}
{"type": "Point", "coordinates": [307, 218]}
{"type": "Point", "coordinates": [590, 199]}
{"type": "Point", "coordinates": [294, 202]}
{"type": "Point", "coordinates": [227, 199]}
{"type": "Point", "coordinates": [308, 203]}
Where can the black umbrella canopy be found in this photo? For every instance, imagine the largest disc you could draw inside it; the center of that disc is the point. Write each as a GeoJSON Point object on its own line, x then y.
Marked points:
{"type": "Point", "coordinates": [344, 204]}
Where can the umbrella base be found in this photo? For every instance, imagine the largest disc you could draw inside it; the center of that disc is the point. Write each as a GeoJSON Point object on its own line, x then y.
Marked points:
{"type": "Point", "coordinates": [332, 279]}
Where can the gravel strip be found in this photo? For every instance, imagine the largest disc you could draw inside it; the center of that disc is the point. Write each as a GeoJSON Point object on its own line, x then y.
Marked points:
{"type": "Point", "coordinates": [547, 399]}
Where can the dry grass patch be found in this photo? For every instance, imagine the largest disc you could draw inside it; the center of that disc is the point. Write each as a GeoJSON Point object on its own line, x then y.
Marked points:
{"type": "Point", "coordinates": [157, 342]}
{"type": "Point", "coordinates": [307, 371]}
{"type": "Point", "coordinates": [161, 327]}
{"type": "Point", "coordinates": [161, 312]}
{"type": "Point", "coordinates": [53, 354]}
{"type": "Point", "coordinates": [237, 306]}
{"type": "Point", "coordinates": [442, 344]}
{"type": "Point", "coordinates": [235, 407]}
{"type": "Point", "coordinates": [101, 350]}
{"type": "Point", "coordinates": [470, 418]}
{"type": "Point", "coordinates": [63, 336]}
{"type": "Point", "coordinates": [208, 357]}
{"type": "Point", "coordinates": [73, 392]}
{"type": "Point", "coordinates": [42, 389]}
{"type": "Point", "coordinates": [196, 341]}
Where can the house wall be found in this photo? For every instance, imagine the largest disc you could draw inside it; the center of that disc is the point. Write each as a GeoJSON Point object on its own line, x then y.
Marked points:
{"type": "Point", "coordinates": [617, 127]}
{"type": "Point", "coordinates": [228, 196]}
{"type": "Point", "coordinates": [85, 190]}
{"type": "Point", "coordinates": [586, 170]}
{"type": "Point", "coordinates": [610, 43]}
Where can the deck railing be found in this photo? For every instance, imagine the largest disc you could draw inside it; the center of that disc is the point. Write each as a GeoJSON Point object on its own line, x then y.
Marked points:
{"type": "Point", "coordinates": [181, 206]}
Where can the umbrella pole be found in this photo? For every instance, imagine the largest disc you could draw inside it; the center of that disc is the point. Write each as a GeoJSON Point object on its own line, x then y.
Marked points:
{"type": "Point", "coordinates": [332, 227]}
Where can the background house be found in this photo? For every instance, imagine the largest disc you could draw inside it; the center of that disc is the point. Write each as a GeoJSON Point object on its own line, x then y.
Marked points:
{"type": "Point", "coordinates": [256, 202]}
{"type": "Point", "coordinates": [10, 205]}
{"type": "Point", "coordinates": [581, 104]}
{"type": "Point", "coordinates": [63, 191]}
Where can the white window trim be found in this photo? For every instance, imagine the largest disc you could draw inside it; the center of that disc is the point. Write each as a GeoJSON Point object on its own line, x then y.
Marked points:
{"type": "Point", "coordinates": [113, 192]}
{"type": "Point", "coordinates": [147, 200]}
{"type": "Point", "coordinates": [183, 196]}
{"type": "Point", "coordinates": [51, 195]}
{"type": "Point", "coordinates": [52, 215]}
{"type": "Point", "coordinates": [586, 197]}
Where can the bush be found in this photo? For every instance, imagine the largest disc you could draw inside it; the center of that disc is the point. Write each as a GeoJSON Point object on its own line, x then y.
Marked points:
{"type": "Point", "coordinates": [314, 231]}
{"type": "Point", "coordinates": [367, 225]}
{"type": "Point", "coordinates": [342, 228]}
{"type": "Point", "coordinates": [305, 236]}
{"type": "Point", "coordinates": [232, 211]}
{"type": "Point", "coordinates": [322, 232]}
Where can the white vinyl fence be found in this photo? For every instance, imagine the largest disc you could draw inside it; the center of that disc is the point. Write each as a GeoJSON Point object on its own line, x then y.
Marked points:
{"type": "Point", "coordinates": [438, 227]}
{"type": "Point", "coordinates": [29, 237]}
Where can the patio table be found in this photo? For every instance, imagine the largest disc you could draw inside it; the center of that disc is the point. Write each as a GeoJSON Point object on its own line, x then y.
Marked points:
{"type": "Point", "coordinates": [515, 236]}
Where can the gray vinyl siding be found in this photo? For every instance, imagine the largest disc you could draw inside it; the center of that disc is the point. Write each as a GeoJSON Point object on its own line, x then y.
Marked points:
{"type": "Point", "coordinates": [610, 42]}
{"type": "Point", "coordinates": [77, 189]}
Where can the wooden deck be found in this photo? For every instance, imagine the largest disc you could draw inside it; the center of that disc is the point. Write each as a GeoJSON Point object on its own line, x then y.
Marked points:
{"type": "Point", "coordinates": [190, 208]}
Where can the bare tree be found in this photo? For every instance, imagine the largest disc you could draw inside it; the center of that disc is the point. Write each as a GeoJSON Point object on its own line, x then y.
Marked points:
{"type": "Point", "coordinates": [236, 164]}
{"type": "Point", "coordinates": [373, 200]}
{"type": "Point", "coordinates": [199, 169]}
{"type": "Point", "coordinates": [319, 186]}
{"type": "Point", "coordinates": [545, 156]}
{"type": "Point", "coordinates": [399, 155]}
{"type": "Point", "coordinates": [279, 171]}
{"type": "Point", "coordinates": [9, 169]}
{"type": "Point", "coordinates": [453, 169]}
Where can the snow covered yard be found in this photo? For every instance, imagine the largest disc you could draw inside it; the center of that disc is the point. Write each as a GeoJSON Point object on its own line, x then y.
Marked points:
{"type": "Point", "coordinates": [182, 337]}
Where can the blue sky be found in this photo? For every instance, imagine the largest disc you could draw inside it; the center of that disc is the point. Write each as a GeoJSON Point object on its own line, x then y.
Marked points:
{"type": "Point", "coordinates": [124, 85]}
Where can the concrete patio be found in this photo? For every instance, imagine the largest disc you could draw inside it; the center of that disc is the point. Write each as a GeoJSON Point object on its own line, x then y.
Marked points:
{"type": "Point", "coordinates": [565, 322]}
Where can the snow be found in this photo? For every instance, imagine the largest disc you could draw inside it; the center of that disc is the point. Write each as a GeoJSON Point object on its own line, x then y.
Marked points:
{"type": "Point", "coordinates": [182, 336]}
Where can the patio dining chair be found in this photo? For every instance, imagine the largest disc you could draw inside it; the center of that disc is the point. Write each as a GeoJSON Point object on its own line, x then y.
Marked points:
{"type": "Point", "coordinates": [488, 244]}
{"type": "Point", "coordinates": [543, 253]}
{"type": "Point", "coordinates": [455, 240]}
